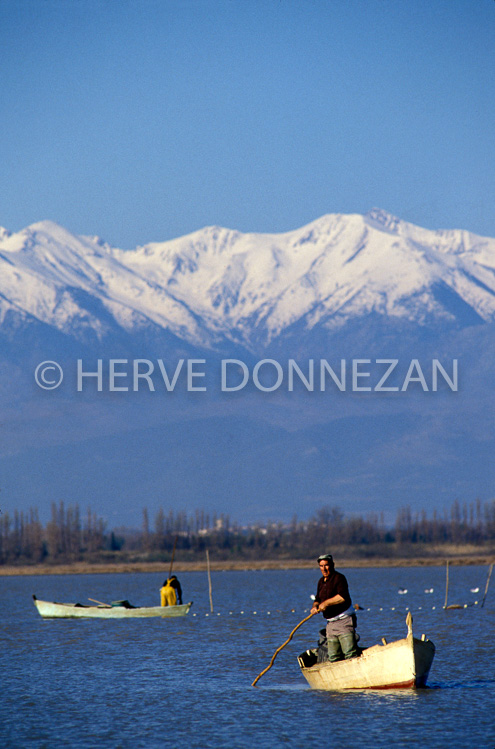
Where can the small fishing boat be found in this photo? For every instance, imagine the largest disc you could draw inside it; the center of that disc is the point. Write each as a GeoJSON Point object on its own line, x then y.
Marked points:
{"type": "Point", "coordinates": [115, 610]}
{"type": "Point", "coordinates": [400, 664]}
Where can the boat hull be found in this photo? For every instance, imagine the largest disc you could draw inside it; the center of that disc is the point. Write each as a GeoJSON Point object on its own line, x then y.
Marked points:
{"type": "Point", "coordinates": [403, 664]}
{"type": "Point", "coordinates": [53, 610]}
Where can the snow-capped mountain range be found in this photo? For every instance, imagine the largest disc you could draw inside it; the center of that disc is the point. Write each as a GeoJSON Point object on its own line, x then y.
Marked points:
{"type": "Point", "coordinates": [218, 285]}
{"type": "Point", "coordinates": [342, 287]}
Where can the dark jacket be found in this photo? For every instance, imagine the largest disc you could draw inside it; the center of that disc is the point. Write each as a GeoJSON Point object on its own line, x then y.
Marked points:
{"type": "Point", "coordinates": [178, 590]}
{"type": "Point", "coordinates": [333, 585]}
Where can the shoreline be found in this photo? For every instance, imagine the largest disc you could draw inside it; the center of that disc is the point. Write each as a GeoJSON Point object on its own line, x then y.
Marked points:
{"type": "Point", "coordinates": [84, 568]}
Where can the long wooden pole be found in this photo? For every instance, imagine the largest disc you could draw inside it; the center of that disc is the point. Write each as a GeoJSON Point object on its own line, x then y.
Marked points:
{"type": "Point", "coordinates": [173, 555]}
{"type": "Point", "coordinates": [446, 586]}
{"type": "Point", "coordinates": [209, 579]}
{"type": "Point", "coordinates": [487, 584]}
{"type": "Point", "coordinates": [280, 648]}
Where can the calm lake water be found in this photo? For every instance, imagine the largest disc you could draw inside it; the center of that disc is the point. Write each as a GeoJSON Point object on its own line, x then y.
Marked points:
{"type": "Point", "coordinates": [186, 682]}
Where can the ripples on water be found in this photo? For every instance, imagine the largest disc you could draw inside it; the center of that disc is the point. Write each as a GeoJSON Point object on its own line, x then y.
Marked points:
{"type": "Point", "coordinates": [158, 683]}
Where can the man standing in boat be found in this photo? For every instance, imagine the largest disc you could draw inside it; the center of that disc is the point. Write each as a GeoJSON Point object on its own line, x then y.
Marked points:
{"type": "Point", "coordinates": [333, 600]}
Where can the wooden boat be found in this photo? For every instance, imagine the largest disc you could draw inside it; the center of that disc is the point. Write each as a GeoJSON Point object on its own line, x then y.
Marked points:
{"type": "Point", "coordinates": [400, 664]}
{"type": "Point", "coordinates": [116, 610]}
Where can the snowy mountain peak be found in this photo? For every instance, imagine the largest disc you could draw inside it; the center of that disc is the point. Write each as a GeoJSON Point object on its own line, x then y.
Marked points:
{"type": "Point", "coordinates": [382, 220]}
{"type": "Point", "coordinates": [219, 284]}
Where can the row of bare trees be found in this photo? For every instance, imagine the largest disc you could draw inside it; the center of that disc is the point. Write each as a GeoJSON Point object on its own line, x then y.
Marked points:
{"type": "Point", "coordinates": [66, 536]}
{"type": "Point", "coordinates": [71, 536]}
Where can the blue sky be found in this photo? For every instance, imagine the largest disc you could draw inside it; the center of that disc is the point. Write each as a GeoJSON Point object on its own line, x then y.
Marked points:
{"type": "Point", "coordinates": [145, 120]}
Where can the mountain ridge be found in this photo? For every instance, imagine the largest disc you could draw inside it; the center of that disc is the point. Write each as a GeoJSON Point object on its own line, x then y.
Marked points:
{"type": "Point", "coordinates": [219, 284]}
{"type": "Point", "coordinates": [342, 287]}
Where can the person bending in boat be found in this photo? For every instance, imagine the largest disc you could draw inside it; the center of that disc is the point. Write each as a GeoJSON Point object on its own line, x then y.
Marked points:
{"type": "Point", "coordinates": [171, 592]}
{"type": "Point", "coordinates": [333, 600]}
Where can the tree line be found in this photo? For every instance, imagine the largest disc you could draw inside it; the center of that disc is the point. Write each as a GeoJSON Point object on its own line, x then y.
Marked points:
{"type": "Point", "coordinates": [71, 536]}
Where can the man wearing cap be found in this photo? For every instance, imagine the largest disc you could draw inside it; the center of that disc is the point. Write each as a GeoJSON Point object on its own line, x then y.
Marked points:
{"type": "Point", "coordinates": [333, 600]}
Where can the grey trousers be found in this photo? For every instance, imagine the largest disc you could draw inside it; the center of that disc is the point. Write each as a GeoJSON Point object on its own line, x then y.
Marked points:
{"type": "Point", "coordinates": [341, 639]}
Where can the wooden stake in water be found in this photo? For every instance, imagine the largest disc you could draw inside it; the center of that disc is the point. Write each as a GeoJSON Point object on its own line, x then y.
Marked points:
{"type": "Point", "coordinates": [446, 586]}
{"type": "Point", "coordinates": [487, 584]}
{"type": "Point", "coordinates": [173, 555]}
{"type": "Point", "coordinates": [209, 579]}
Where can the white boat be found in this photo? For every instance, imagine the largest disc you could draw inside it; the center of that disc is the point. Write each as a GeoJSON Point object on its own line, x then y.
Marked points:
{"type": "Point", "coordinates": [400, 664]}
{"type": "Point", "coordinates": [117, 610]}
